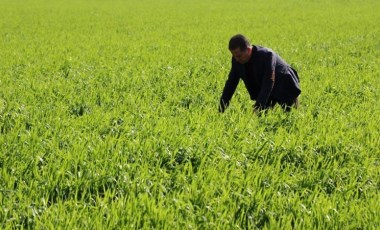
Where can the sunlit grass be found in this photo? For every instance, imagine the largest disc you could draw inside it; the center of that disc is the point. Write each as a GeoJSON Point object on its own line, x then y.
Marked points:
{"type": "Point", "coordinates": [108, 116]}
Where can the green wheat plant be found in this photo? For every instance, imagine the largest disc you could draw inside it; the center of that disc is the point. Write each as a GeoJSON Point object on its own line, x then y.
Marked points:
{"type": "Point", "coordinates": [109, 120]}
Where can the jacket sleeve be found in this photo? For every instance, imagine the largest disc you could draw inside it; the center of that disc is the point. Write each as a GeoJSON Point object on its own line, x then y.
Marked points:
{"type": "Point", "coordinates": [267, 82]}
{"type": "Point", "coordinates": [229, 89]}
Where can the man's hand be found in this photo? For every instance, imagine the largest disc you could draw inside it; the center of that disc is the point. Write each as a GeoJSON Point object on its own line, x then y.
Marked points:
{"type": "Point", "coordinates": [256, 110]}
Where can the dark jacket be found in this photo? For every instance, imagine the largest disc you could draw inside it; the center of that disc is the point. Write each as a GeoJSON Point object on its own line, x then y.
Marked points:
{"type": "Point", "coordinates": [261, 84]}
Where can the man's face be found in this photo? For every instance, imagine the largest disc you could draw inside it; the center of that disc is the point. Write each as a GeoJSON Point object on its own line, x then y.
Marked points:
{"type": "Point", "coordinates": [242, 56]}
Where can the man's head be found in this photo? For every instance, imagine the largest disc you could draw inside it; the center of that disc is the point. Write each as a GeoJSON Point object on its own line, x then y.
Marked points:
{"type": "Point", "coordinates": [240, 48]}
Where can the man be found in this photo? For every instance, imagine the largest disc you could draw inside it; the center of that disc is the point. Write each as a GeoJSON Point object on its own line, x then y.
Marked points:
{"type": "Point", "coordinates": [268, 79]}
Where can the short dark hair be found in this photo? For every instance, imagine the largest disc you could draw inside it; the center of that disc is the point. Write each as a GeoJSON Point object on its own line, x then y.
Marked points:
{"type": "Point", "coordinates": [239, 41]}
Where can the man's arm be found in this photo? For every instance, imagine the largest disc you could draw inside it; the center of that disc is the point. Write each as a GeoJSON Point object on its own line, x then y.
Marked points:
{"type": "Point", "coordinates": [229, 89]}
{"type": "Point", "coordinates": [267, 82]}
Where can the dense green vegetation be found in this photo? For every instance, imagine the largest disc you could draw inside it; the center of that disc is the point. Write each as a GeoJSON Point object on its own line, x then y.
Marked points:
{"type": "Point", "coordinates": [108, 116]}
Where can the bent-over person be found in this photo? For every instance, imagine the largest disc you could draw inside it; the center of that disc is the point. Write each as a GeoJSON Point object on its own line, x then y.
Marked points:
{"type": "Point", "coordinates": [267, 77]}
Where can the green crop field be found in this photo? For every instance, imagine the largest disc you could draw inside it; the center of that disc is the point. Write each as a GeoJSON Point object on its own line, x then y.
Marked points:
{"type": "Point", "coordinates": [109, 120]}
